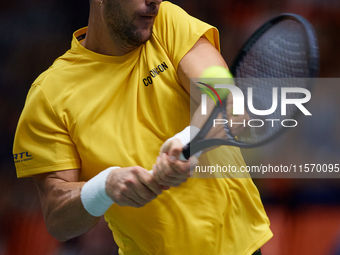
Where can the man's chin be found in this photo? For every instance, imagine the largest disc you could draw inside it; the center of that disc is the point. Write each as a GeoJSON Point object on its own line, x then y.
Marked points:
{"type": "Point", "coordinates": [145, 36]}
{"type": "Point", "coordinates": [138, 37]}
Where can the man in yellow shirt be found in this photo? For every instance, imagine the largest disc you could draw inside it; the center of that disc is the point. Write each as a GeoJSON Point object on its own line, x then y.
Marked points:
{"type": "Point", "coordinates": [93, 124]}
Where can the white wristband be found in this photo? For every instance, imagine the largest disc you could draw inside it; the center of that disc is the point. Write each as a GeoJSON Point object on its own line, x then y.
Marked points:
{"type": "Point", "coordinates": [93, 194]}
{"type": "Point", "coordinates": [186, 135]}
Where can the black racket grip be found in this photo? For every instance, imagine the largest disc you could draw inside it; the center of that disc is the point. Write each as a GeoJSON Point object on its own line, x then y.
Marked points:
{"type": "Point", "coordinates": [186, 151]}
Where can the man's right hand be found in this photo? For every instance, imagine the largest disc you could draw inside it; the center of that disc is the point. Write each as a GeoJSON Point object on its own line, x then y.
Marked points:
{"type": "Point", "coordinates": [132, 186]}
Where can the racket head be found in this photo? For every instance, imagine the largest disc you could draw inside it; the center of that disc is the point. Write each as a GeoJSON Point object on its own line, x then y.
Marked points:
{"type": "Point", "coordinates": [282, 53]}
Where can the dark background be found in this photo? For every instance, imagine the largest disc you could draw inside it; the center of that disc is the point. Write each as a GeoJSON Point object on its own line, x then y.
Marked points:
{"type": "Point", "coordinates": [304, 213]}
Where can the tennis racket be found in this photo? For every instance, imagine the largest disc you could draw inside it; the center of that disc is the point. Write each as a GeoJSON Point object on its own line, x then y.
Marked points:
{"type": "Point", "coordinates": [281, 53]}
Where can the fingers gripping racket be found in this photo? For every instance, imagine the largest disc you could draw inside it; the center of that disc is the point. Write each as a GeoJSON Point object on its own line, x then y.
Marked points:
{"type": "Point", "coordinates": [279, 52]}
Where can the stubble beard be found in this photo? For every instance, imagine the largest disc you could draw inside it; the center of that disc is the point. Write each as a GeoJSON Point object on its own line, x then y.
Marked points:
{"type": "Point", "coordinates": [121, 27]}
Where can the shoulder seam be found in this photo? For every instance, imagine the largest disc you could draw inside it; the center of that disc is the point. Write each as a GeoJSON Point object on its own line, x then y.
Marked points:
{"type": "Point", "coordinates": [61, 67]}
{"type": "Point", "coordinates": [157, 37]}
{"type": "Point", "coordinates": [160, 41]}
{"type": "Point", "coordinates": [39, 85]}
{"type": "Point", "coordinates": [49, 103]}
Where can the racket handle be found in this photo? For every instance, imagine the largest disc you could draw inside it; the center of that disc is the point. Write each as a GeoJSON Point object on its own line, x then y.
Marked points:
{"type": "Point", "coordinates": [185, 155]}
{"type": "Point", "coordinates": [182, 158]}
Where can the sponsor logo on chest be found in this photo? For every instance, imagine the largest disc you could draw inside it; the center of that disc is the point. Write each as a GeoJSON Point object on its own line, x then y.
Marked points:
{"type": "Point", "coordinates": [154, 73]}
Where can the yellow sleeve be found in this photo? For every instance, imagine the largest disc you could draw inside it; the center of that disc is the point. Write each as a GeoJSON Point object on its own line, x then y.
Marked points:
{"type": "Point", "coordinates": [178, 32]}
{"type": "Point", "coordinates": [42, 143]}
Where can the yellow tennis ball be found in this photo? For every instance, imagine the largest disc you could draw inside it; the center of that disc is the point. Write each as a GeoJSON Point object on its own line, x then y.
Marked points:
{"type": "Point", "coordinates": [217, 75]}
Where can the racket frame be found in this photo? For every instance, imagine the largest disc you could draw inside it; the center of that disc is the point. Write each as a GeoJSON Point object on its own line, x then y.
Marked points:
{"type": "Point", "coordinates": [313, 67]}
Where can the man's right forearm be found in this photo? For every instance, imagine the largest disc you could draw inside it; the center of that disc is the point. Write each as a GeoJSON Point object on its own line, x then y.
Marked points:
{"type": "Point", "coordinates": [63, 211]}
{"type": "Point", "coordinates": [65, 216]}
{"type": "Point", "coordinates": [68, 206]}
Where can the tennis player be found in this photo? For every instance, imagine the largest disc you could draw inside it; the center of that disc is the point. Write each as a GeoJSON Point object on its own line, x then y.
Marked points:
{"type": "Point", "coordinates": [93, 124]}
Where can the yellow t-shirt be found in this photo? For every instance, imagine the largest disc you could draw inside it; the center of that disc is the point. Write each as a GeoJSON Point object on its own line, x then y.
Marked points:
{"type": "Point", "coordinates": [91, 111]}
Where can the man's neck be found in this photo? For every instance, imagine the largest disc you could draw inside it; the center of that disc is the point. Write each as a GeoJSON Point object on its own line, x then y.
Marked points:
{"type": "Point", "coordinates": [100, 41]}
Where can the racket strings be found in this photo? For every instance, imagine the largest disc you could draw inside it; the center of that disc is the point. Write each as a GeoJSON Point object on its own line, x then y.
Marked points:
{"type": "Point", "coordinates": [279, 55]}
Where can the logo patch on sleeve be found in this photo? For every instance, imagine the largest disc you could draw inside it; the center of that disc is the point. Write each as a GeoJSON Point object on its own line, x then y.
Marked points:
{"type": "Point", "coordinates": [22, 156]}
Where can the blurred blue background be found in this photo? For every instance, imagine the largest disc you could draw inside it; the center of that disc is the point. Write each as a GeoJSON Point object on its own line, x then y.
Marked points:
{"type": "Point", "coordinates": [304, 213]}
